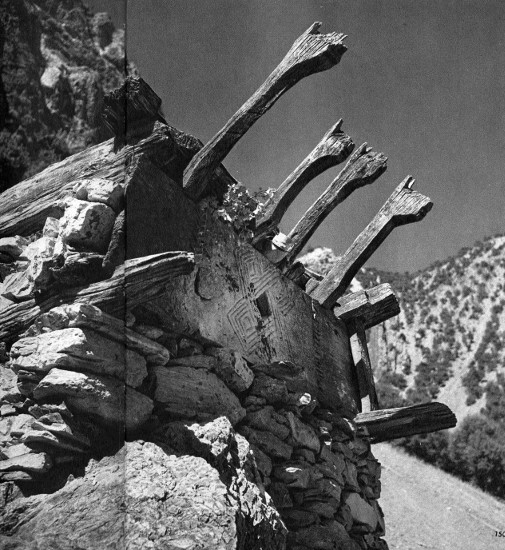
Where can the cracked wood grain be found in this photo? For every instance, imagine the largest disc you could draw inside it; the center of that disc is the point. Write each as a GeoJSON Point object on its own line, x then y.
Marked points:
{"type": "Point", "coordinates": [334, 148]}
{"type": "Point", "coordinates": [312, 52]}
{"type": "Point", "coordinates": [404, 206]}
{"type": "Point", "coordinates": [363, 167]}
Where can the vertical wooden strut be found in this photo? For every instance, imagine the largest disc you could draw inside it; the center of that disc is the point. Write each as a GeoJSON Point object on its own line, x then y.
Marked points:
{"type": "Point", "coordinates": [334, 147]}
{"type": "Point", "coordinates": [312, 52]}
{"type": "Point", "coordinates": [403, 206]}
{"type": "Point", "coordinates": [361, 357]}
{"type": "Point", "coordinates": [363, 167]}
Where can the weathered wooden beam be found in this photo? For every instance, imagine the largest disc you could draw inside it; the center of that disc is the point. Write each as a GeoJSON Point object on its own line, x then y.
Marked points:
{"type": "Point", "coordinates": [25, 207]}
{"type": "Point", "coordinates": [388, 424]}
{"type": "Point", "coordinates": [363, 167]}
{"type": "Point", "coordinates": [374, 305]}
{"type": "Point", "coordinates": [312, 52]}
{"type": "Point", "coordinates": [135, 282]}
{"type": "Point", "coordinates": [129, 108]}
{"type": "Point", "coordinates": [403, 206]}
{"type": "Point", "coordinates": [364, 371]}
{"type": "Point", "coordinates": [334, 147]}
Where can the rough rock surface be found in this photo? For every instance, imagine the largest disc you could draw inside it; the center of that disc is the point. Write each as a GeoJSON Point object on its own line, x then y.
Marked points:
{"type": "Point", "coordinates": [57, 62]}
{"type": "Point", "coordinates": [144, 497]}
{"type": "Point", "coordinates": [108, 400]}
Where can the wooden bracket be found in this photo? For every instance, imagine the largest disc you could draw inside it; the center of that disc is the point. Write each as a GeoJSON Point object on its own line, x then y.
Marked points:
{"type": "Point", "coordinates": [388, 424]}
{"type": "Point", "coordinates": [403, 206]}
{"type": "Point", "coordinates": [363, 167]}
{"type": "Point", "coordinates": [374, 305]}
{"type": "Point", "coordinates": [361, 357]}
{"type": "Point", "coordinates": [333, 148]}
{"type": "Point", "coordinates": [312, 52]}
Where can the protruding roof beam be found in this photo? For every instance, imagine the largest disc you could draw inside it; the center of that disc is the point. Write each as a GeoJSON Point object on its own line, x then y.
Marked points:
{"type": "Point", "coordinates": [388, 424]}
{"type": "Point", "coordinates": [334, 148]}
{"type": "Point", "coordinates": [374, 305]}
{"type": "Point", "coordinates": [312, 52]}
{"type": "Point", "coordinates": [403, 206]}
{"type": "Point", "coordinates": [363, 167]}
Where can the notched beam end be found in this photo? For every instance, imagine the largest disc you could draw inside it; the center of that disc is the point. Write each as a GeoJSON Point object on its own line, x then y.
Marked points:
{"type": "Point", "coordinates": [334, 147]}
{"type": "Point", "coordinates": [408, 205]}
{"type": "Point", "coordinates": [373, 306]}
{"type": "Point", "coordinates": [322, 50]}
{"type": "Point", "coordinates": [312, 52]}
{"type": "Point", "coordinates": [363, 167]}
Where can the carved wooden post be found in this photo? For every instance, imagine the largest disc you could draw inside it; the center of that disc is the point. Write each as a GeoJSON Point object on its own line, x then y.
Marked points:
{"type": "Point", "coordinates": [403, 206]}
{"type": "Point", "coordinates": [312, 52]}
{"type": "Point", "coordinates": [363, 167]}
{"type": "Point", "coordinates": [333, 148]}
{"type": "Point", "coordinates": [361, 357]}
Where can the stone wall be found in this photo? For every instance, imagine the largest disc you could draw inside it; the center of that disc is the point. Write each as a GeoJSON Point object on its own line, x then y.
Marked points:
{"type": "Point", "coordinates": [288, 471]}
{"type": "Point", "coordinates": [195, 399]}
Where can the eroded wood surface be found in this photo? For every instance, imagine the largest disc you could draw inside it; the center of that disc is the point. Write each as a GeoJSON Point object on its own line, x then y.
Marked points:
{"type": "Point", "coordinates": [363, 365]}
{"type": "Point", "coordinates": [312, 52]}
{"type": "Point", "coordinates": [404, 206]}
{"type": "Point", "coordinates": [373, 305]}
{"type": "Point", "coordinates": [363, 167]}
{"type": "Point", "coordinates": [25, 207]}
{"type": "Point", "coordinates": [334, 147]}
{"type": "Point", "coordinates": [135, 282]}
{"type": "Point", "coordinates": [389, 424]}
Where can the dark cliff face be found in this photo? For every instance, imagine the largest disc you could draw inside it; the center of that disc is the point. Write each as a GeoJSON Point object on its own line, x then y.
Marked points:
{"type": "Point", "coordinates": [58, 59]}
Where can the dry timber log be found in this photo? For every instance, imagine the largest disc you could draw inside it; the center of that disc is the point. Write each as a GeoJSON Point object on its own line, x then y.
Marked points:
{"type": "Point", "coordinates": [129, 108]}
{"type": "Point", "coordinates": [363, 167]}
{"type": "Point", "coordinates": [373, 306]}
{"type": "Point", "coordinates": [403, 206]}
{"type": "Point", "coordinates": [25, 207]}
{"type": "Point", "coordinates": [334, 147]}
{"type": "Point", "coordinates": [364, 371]}
{"type": "Point", "coordinates": [312, 52]}
{"type": "Point", "coordinates": [135, 282]}
{"type": "Point", "coordinates": [388, 424]}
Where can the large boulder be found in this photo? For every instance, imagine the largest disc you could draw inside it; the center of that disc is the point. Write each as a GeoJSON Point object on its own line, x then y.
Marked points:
{"type": "Point", "coordinates": [195, 393]}
{"type": "Point", "coordinates": [143, 498]}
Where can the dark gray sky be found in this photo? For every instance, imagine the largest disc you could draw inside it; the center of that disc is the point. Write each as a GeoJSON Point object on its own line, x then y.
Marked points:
{"type": "Point", "coordinates": [423, 81]}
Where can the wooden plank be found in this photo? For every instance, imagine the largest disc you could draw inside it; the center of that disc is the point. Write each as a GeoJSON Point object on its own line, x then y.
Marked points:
{"type": "Point", "coordinates": [25, 207]}
{"type": "Point", "coordinates": [389, 424]}
{"type": "Point", "coordinates": [135, 282]}
{"type": "Point", "coordinates": [363, 167]}
{"type": "Point", "coordinates": [403, 206]}
{"type": "Point", "coordinates": [364, 371]}
{"type": "Point", "coordinates": [132, 103]}
{"type": "Point", "coordinates": [312, 52]}
{"type": "Point", "coordinates": [334, 147]}
{"type": "Point", "coordinates": [373, 306]}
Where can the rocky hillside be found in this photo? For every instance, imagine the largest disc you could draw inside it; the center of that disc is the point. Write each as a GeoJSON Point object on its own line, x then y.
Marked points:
{"type": "Point", "coordinates": [447, 344]}
{"type": "Point", "coordinates": [57, 60]}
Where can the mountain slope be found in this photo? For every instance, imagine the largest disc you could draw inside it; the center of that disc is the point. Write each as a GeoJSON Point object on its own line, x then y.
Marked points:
{"type": "Point", "coordinates": [426, 508]}
{"type": "Point", "coordinates": [448, 343]}
{"type": "Point", "coordinates": [57, 61]}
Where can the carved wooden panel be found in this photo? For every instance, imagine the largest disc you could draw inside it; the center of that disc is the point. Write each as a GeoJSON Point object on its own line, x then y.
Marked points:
{"type": "Point", "coordinates": [236, 297]}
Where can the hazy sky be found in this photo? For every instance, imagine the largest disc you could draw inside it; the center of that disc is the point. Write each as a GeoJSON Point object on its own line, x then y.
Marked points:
{"type": "Point", "coordinates": [423, 81]}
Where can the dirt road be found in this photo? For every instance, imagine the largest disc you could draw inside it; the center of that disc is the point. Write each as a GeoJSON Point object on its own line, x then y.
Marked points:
{"type": "Point", "coordinates": [426, 508]}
